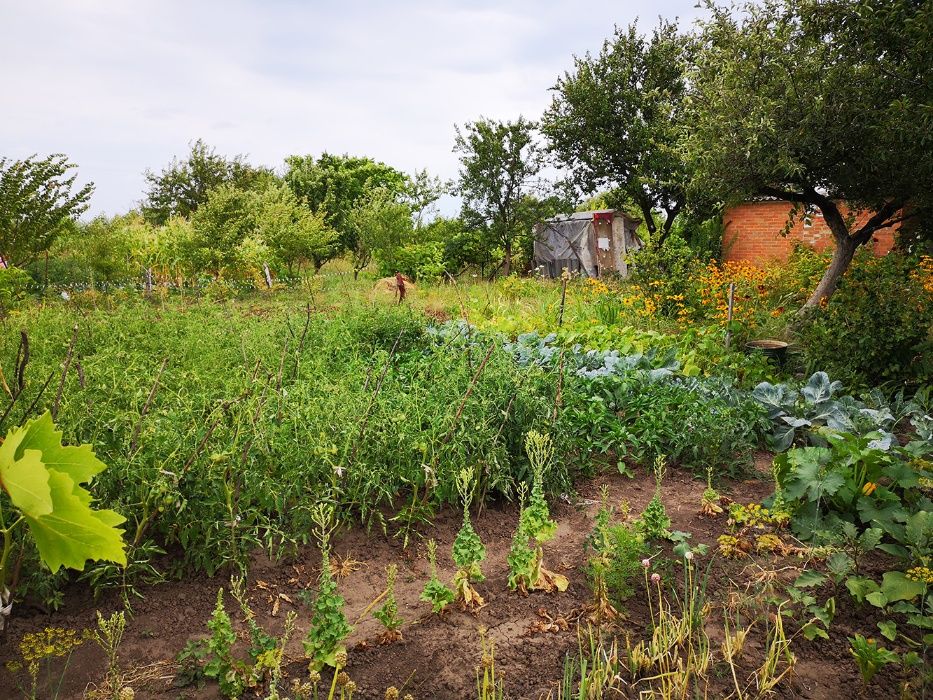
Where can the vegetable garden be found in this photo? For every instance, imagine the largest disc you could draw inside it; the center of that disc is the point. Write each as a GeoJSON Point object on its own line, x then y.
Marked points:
{"type": "Point", "coordinates": [314, 493]}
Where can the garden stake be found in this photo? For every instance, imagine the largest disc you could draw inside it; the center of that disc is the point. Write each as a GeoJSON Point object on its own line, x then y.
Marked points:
{"type": "Point", "coordinates": [145, 408]}
{"type": "Point", "coordinates": [61, 383]}
{"type": "Point", "coordinates": [729, 314]}
{"type": "Point", "coordinates": [35, 401]}
{"type": "Point", "coordinates": [563, 299]}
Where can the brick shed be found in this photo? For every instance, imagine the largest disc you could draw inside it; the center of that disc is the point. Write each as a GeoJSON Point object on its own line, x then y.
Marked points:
{"type": "Point", "coordinates": [752, 232]}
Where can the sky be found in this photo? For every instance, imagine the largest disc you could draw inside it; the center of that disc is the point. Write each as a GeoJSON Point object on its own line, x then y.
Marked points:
{"type": "Point", "coordinates": [120, 86]}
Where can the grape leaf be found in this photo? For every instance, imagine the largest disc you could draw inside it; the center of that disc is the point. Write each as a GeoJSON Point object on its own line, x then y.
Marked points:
{"type": "Point", "coordinates": [73, 533]}
{"type": "Point", "coordinates": [78, 462]}
{"type": "Point", "coordinates": [43, 479]}
{"type": "Point", "coordinates": [26, 480]}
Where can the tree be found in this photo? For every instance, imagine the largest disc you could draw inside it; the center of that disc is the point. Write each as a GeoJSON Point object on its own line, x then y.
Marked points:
{"type": "Point", "coordinates": [37, 203]}
{"type": "Point", "coordinates": [422, 193]}
{"type": "Point", "coordinates": [617, 121]}
{"type": "Point", "coordinates": [333, 185]}
{"type": "Point", "coordinates": [220, 225]}
{"type": "Point", "coordinates": [243, 229]}
{"type": "Point", "coordinates": [380, 226]}
{"type": "Point", "coordinates": [183, 185]}
{"type": "Point", "coordinates": [292, 231]}
{"type": "Point", "coordinates": [500, 163]}
{"type": "Point", "coordinates": [818, 102]}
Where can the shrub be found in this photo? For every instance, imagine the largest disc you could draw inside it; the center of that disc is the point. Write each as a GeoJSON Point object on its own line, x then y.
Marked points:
{"type": "Point", "coordinates": [876, 327]}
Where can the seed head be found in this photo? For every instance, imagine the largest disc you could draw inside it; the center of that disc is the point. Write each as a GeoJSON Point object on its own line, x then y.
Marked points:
{"type": "Point", "coordinates": [655, 578]}
{"type": "Point", "coordinates": [391, 693]}
{"type": "Point", "coordinates": [340, 658]}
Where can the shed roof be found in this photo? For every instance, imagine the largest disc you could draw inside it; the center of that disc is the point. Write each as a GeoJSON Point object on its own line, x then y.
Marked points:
{"type": "Point", "coordinates": [588, 215]}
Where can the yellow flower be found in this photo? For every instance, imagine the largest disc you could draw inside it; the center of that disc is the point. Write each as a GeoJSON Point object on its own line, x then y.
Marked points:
{"type": "Point", "coordinates": [869, 488]}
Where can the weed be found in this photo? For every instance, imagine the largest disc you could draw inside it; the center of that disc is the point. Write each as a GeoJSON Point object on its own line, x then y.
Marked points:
{"type": "Point", "coordinates": [435, 592]}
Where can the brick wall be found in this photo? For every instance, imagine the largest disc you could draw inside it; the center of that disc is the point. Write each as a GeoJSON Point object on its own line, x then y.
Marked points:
{"type": "Point", "coordinates": [752, 232]}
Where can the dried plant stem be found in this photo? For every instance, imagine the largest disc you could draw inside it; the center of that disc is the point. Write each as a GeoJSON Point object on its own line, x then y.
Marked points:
{"type": "Point", "coordinates": [145, 408]}
{"type": "Point", "coordinates": [61, 384]}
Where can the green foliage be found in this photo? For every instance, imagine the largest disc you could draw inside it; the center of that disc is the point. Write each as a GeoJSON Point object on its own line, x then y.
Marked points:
{"type": "Point", "coordinates": [636, 149]}
{"type": "Point", "coordinates": [856, 134]}
{"type": "Point", "coordinates": [435, 592]}
{"type": "Point", "coordinates": [221, 665]}
{"type": "Point", "coordinates": [468, 551]}
{"type": "Point", "coordinates": [334, 185]}
{"type": "Point", "coordinates": [654, 523]}
{"type": "Point", "coordinates": [388, 613]}
{"type": "Point", "coordinates": [876, 327]}
{"type": "Point", "coordinates": [14, 284]}
{"type": "Point", "coordinates": [184, 185]}
{"type": "Point", "coordinates": [500, 164]}
{"type": "Point", "coordinates": [869, 656]}
{"type": "Point", "coordinates": [862, 480]}
{"type": "Point", "coordinates": [42, 481]}
{"type": "Point", "coordinates": [381, 225]}
{"type": "Point", "coordinates": [617, 551]}
{"type": "Point", "coordinates": [38, 201]}
{"type": "Point", "coordinates": [666, 269]}
{"type": "Point", "coordinates": [329, 627]}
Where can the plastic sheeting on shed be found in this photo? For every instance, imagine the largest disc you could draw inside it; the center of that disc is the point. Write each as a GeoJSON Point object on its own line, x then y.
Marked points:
{"type": "Point", "coordinates": [572, 243]}
{"type": "Point", "coordinates": [565, 244]}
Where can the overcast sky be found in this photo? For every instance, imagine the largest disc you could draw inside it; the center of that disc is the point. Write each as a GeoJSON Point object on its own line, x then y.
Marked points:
{"type": "Point", "coordinates": [123, 85]}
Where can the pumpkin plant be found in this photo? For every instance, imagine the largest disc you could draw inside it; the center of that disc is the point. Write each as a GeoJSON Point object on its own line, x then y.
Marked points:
{"type": "Point", "coordinates": [42, 481]}
{"type": "Point", "coordinates": [468, 550]}
{"type": "Point", "coordinates": [535, 526]}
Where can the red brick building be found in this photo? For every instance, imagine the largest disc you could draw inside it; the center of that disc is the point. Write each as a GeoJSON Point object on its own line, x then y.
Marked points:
{"type": "Point", "coordinates": [752, 232]}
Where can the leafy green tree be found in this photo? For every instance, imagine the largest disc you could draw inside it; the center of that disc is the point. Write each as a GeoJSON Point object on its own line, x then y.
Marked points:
{"type": "Point", "coordinates": [500, 165]}
{"type": "Point", "coordinates": [332, 185]}
{"type": "Point", "coordinates": [617, 121]}
{"type": "Point", "coordinates": [293, 232]}
{"type": "Point", "coordinates": [818, 102]}
{"type": "Point", "coordinates": [220, 225]}
{"type": "Point", "coordinates": [421, 195]}
{"type": "Point", "coordinates": [38, 201]}
{"type": "Point", "coordinates": [105, 249]}
{"type": "Point", "coordinates": [380, 225]}
{"type": "Point", "coordinates": [183, 186]}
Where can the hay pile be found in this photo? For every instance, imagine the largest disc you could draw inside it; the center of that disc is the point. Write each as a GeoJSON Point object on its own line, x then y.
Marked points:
{"type": "Point", "coordinates": [386, 289]}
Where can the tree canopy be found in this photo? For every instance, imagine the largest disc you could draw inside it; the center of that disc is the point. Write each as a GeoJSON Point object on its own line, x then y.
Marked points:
{"type": "Point", "coordinates": [818, 102]}
{"type": "Point", "coordinates": [38, 201]}
{"type": "Point", "coordinates": [617, 121]}
{"type": "Point", "coordinates": [500, 168]}
{"type": "Point", "coordinates": [334, 184]}
{"type": "Point", "coordinates": [183, 185]}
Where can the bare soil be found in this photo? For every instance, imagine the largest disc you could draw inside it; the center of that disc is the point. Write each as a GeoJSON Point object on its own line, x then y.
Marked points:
{"type": "Point", "coordinates": [438, 655]}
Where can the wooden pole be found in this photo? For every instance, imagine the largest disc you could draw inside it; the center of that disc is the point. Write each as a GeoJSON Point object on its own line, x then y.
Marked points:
{"type": "Point", "coordinates": [563, 299]}
{"type": "Point", "coordinates": [729, 314]}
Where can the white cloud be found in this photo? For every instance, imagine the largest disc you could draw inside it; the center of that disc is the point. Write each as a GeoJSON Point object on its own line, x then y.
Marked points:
{"type": "Point", "coordinates": [121, 86]}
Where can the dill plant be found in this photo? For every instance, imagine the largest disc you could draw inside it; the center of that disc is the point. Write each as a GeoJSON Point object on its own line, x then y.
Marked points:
{"type": "Point", "coordinates": [535, 526]}
{"type": "Point", "coordinates": [468, 551]}
{"type": "Point", "coordinates": [435, 591]}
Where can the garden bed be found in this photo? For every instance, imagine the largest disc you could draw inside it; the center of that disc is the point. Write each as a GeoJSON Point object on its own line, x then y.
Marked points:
{"type": "Point", "coordinates": [438, 655]}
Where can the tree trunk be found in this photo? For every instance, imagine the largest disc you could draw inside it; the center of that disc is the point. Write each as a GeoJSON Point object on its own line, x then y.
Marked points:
{"type": "Point", "coordinates": [842, 256]}
{"type": "Point", "coordinates": [507, 261]}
